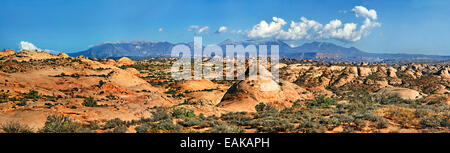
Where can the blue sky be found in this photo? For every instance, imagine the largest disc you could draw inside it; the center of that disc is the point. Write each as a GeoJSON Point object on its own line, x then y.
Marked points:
{"type": "Point", "coordinates": [405, 26]}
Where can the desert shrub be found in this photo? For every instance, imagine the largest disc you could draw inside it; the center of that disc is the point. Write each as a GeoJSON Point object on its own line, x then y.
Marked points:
{"type": "Point", "coordinates": [16, 127]}
{"type": "Point", "coordinates": [113, 123]}
{"type": "Point", "coordinates": [93, 125]}
{"type": "Point", "coordinates": [222, 127]}
{"type": "Point", "coordinates": [330, 123]}
{"type": "Point", "coordinates": [371, 117]}
{"type": "Point", "coordinates": [165, 126]}
{"type": "Point", "coordinates": [32, 94]}
{"type": "Point", "coordinates": [322, 101]}
{"type": "Point", "coordinates": [274, 125]}
{"type": "Point", "coordinates": [360, 124]}
{"type": "Point", "coordinates": [169, 126]}
{"type": "Point", "coordinates": [90, 102]}
{"type": "Point", "coordinates": [60, 124]}
{"type": "Point", "coordinates": [101, 83]}
{"type": "Point", "coordinates": [190, 122]}
{"type": "Point", "coordinates": [393, 100]}
{"type": "Point", "coordinates": [308, 126]}
{"type": "Point", "coordinates": [174, 93]}
{"type": "Point", "coordinates": [381, 123]}
{"type": "Point", "coordinates": [161, 114]}
{"type": "Point", "coordinates": [22, 102]}
{"type": "Point", "coordinates": [403, 116]}
{"type": "Point", "coordinates": [260, 107]}
{"type": "Point", "coordinates": [345, 119]}
{"type": "Point", "coordinates": [120, 129]}
{"type": "Point", "coordinates": [4, 97]}
{"type": "Point", "coordinates": [142, 128]}
{"type": "Point", "coordinates": [348, 129]}
{"type": "Point", "coordinates": [237, 118]}
{"type": "Point", "coordinates": [430, 122]}
{"type": "Point", "coordinates": [183, 113]}
{"type": "Point", "coordinates": [264, 110]}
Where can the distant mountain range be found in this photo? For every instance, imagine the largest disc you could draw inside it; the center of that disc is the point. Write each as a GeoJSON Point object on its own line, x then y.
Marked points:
{"type": "Point", "coordinates": [323, 51]}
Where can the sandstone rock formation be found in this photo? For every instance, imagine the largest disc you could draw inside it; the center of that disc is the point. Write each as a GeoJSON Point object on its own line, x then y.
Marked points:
{"type": "Point", "coordinates": [125, 61]}
{"type": "Point", "coordinates": [246, 94]}
{"type": "Point", "coordinates": [404, 93]}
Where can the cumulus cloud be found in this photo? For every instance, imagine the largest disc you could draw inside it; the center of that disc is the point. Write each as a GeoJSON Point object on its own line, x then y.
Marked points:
{"type": "Point", "coordinates": [160, 30]}
{"type": "Point", "coordinates": [222, 29]}
{"type": "Point", "coordinates": [198, 29]}
{"type": "Point", "coordinates": [364, 12]}
{"type": "Point", "coordinates": [24, 45]}
{"type": "Point", "coordinates": [265, 30]}
{"type": "Point", "coordinates": [307, 29]}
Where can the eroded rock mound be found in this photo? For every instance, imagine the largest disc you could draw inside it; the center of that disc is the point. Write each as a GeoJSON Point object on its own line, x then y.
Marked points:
{"type": "Point", "coordinates": [195, 85]}
{"type": "Point", "coordinates": [246, 94]}
{"type": "Point", "coordinates": [404, 93]}
{"type": "Point", "coordinates": [125, 61]}
{"type": "Point", "coordinates": [6, 52]}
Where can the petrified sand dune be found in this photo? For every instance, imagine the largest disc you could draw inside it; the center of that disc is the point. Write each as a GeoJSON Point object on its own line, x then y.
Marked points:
{"type": "Point", "coordinates": [403, 93]}
{"type": "Point", "coordinates": [246, 94]}
{"type": "Point", "coordinates": [195, 85]}
{"type": "Point", "coordinates": [125, 61]}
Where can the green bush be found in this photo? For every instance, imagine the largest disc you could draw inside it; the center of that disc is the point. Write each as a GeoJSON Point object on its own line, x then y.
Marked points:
{"type": "Point", "coordinates": [183, 113]}
{"type": "Point", "coordinates": [237, 118]}
{"type": "Point", "coordinates": [32, 95]}
{"type": "Point", "coordinates": [190, 122]}
{"type": "Point", "coordinates": [90, 102]}
{"type": "Point", "coordinates": [167, 126]}
{"type": "Point", "coordinates": [60, 124]}
{"type": "Point", "coordinates": [142, 128]}
{"type": "Point", "coordinates": [4, 97]}
{"type": "Point", "coordinates": [275, 125]}
{"type": "Point", "coordinates": [322, 101]}
{"type": "Point", "coordinates": [22, 102]}
{"type": "Point", "coordinates": [260, 107]}
{"type": "Point", "coordinates": [161, 114]}
{"type": "Point", "coordinates": [308, 126]}
{"type": "Point", "coordinates": [113, 123]}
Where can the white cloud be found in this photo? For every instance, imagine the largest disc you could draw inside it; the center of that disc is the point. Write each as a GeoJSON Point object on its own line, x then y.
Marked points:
{"type": "Point", "coordinates": [265, 30]}
{"type": "Point", "coordinates": [160, 30]}
{"type": "Point", "coordinates": [307, 29]}
{"type": "Point", "coordinates": [300, 30]}
{"type": "Point", "coordinates": [193, 27]}
{"type": "Point", "coordinates": [361, 11]}
{"type": "Point", "coordinates": [203, 29]}
{"type": "Point", "coordinates": [222, 29]}
{"type": "Point", "coordinates": [24, 45]}
{"type": "Point", "coordinates": [198, 29]}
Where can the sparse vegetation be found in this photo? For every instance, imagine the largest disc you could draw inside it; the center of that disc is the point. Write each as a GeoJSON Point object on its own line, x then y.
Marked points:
{"type": "Point", "coordinates": [16, 127]}
{"type": "Point", "coordinates": [60, 124]}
